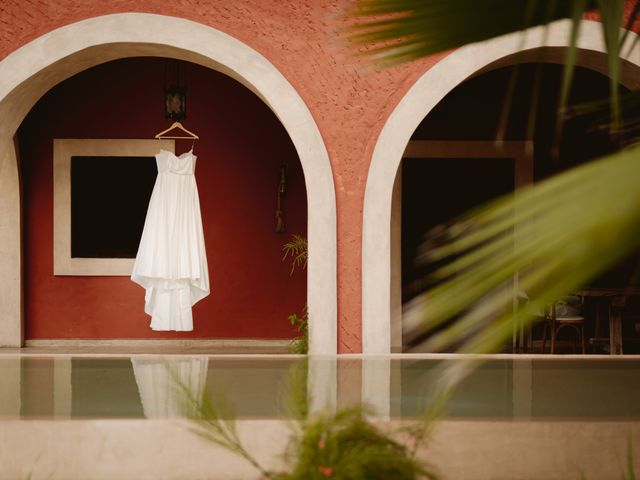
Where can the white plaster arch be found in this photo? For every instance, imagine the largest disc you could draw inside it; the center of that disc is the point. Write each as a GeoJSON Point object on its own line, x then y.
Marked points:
{"type": "Point", "coordinates": [27, 73]}
{"type": "Point", "coordinates": [425, 94]}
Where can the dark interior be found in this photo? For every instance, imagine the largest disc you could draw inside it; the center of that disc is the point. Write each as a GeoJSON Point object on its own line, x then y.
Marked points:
{"type": "Point", "coordinates": [109, 200]}
{"type": "Point", "coordinates": [435, 191]}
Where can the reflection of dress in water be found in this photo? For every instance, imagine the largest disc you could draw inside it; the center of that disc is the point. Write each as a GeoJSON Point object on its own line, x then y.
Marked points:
{"type": "Point", "coordinates": [166, 386]}
{"type": "Point", "coordinates": [171, 263]}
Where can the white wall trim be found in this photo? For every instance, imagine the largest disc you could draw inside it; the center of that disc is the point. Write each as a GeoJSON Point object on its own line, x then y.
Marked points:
{"type": "Point", "coordinates": [27, 73]}
{"type": "Point", "coordinates": [423, 96]}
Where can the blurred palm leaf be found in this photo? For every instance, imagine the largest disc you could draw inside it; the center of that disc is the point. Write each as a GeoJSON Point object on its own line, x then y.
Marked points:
{"type": "Point", "coordinates": [404, 30]}
{"type": "Point", "coordinates": [396, 31]}
{"type": "Point", "coordinates": [546, 240]}
{"type": "Point", "coordinates": [611, 14]}
{"type": "Point", "coordinates": [599, 114]}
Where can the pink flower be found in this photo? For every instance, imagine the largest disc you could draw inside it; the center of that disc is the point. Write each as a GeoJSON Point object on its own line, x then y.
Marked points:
{"type": "Point", "coordinates": [411, 440]}
{"type": "Point", "coordinates": [326, 471]}
{"type": "Point", "coordinates": [321, 444]}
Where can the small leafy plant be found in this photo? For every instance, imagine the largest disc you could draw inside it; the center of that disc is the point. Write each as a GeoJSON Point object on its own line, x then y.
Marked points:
{"type": "Point", "coordinates": [341, 445]}
{"type": "Point", "coordinates": [300, 344]}
{"type": "Point", "coordinates": [297, 250]}
{"type": "Point", "coordinates": [346, 445]}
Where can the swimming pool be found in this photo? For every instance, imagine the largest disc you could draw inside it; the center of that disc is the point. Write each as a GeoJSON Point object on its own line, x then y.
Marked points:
{"type": "Point", "coordinates": [512, 417]}
{"type": "Point", "coordinates": [110, 387]}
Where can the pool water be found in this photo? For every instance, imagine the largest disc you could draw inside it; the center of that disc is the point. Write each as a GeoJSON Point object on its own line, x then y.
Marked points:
{"type": "Point", "coordinates": [542, 388]}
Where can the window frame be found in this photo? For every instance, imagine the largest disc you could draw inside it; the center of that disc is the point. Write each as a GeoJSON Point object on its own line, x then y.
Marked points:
{"type": "Point", "coordinates": [63, 150]}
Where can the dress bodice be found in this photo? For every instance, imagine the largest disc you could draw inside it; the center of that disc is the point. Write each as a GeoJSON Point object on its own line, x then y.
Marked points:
{"type": "Point", "coordinates": [184, 164]}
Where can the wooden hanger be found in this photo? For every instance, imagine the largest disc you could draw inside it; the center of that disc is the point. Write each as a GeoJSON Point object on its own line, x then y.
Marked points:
{"type": "Point", "coordinates": [192, 136]}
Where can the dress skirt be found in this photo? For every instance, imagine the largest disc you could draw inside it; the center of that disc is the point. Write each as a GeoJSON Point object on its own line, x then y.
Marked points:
{"type": "Point", "coordinates": [171, 263]}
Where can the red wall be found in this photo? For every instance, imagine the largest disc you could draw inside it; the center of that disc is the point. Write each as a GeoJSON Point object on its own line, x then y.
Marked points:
{"type": "Point", "coordinates": [242, 145]}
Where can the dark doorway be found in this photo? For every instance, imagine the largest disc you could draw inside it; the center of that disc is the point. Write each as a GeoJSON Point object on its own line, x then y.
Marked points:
{"type": "Point", "coordinates": [435, 191]}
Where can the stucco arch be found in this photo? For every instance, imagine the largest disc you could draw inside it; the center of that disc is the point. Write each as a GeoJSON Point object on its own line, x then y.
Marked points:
{"type": "Point", "coordinates": [537, 44]}
{"type": "Point", "coordinates": [27, 73]}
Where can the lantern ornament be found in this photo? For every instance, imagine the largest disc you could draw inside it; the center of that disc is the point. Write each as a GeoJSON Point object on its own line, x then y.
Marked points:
{"type": "Point", "coordinates": [175, 102]}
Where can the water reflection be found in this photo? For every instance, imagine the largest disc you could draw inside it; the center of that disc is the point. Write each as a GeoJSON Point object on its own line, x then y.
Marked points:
{"type": "Point", "coordinates": [396, 387]}
{"type": "Point", "coordinates": [161, 381]}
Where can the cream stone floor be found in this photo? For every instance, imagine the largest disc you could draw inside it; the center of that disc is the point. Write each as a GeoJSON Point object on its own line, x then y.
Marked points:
{"type": "Point", "coordinates": [168, 449]}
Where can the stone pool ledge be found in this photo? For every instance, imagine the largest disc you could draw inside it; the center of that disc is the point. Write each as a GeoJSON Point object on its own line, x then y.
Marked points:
{"type": "Point", "coordinates": [460, 449]}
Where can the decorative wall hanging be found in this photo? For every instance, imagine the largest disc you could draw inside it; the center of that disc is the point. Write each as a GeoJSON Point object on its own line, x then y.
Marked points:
{"type": "Point", "coordinates": [175, 91]}
{"type": "Point", "coordinates": [175, 102]}
{"type": "Point", "coordinates": [282, 191]}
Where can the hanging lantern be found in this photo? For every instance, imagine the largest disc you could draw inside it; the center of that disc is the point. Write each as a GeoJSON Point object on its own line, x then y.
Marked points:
{"type": "Point", "coordinates": [175, 102]}
{"type": "Point", "coordinates": [175, 90]}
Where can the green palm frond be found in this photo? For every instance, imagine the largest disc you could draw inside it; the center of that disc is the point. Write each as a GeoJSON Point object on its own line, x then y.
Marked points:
{"type": "Point", "coordinates": [546, 240]}
{"type": "Point", "coordinates": [611, 13]}
{"type": "Point", "coordinates": [598, 113]}
{"type": "Point", "coordinates": [403, 30]}
{"type": "Point", "coordinates": [396, 31]}
{"type": "Point", "coordinates": [570, 58]}
{"type": "Point", "coordinates": [297, 248]}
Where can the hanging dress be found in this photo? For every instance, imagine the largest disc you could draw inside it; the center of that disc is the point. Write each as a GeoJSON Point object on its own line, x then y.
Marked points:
{"type": "Point", "coordinates": [171, 263]}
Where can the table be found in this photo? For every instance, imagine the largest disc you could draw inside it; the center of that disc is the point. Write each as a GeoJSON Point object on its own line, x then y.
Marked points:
{"type": "Point", "coordinates": [617, 299]}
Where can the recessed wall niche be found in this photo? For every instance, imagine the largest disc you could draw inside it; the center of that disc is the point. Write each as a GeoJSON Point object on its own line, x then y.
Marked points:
{"type": "Point", "coordinates": [101, 192]}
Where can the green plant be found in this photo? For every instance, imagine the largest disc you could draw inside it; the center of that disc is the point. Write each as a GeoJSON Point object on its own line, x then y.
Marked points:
{"type": "Point", "coordinates": [343, 445]}
{"type": "Point", "coordinates": [397, 31]}
{"type": "Point", "coordinates": [297, 250]}
{"type": "Point", "coordinates": [300, 344]}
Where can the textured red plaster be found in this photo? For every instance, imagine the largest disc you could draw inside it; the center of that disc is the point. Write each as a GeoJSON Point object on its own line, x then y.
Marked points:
{"type": "Point", "coordinates": [626, 15]}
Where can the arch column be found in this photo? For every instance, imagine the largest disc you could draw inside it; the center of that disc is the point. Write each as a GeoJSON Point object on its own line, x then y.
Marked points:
{"type": "Point", "coordinates": [423, 96]}
{"type": "Point", "coordinates": [27, 73]}
{"type": "Point", "coordinates": [11, 317]}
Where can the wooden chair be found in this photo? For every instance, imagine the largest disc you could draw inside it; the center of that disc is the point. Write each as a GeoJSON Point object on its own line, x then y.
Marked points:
{"type": "Point", "coordinates": [555, 321]}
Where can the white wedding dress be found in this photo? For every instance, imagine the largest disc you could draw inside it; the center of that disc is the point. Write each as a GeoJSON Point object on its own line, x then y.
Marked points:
{"type": "Point", "coordinates": [171, 263]}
